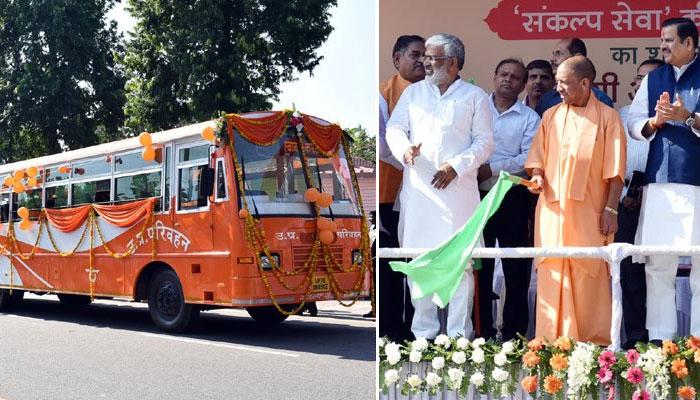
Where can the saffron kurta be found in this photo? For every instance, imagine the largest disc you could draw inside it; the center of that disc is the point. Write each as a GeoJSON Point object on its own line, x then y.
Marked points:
{"type": "Point", "coordinates": [580, 150]}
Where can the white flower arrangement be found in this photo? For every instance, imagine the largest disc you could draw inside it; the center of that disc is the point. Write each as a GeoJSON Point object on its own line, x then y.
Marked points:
{"type": "Point", "coordinates": [443, 340]}
{"type": "Point", "coordinates": [420, 344]}
{"type": "Point", "coordinates": [432, 379]}
{"type": "Point", "coordinates": [455, 376]}
{"type": "Point", "coordinates": [500, 359]}
{"type": "Point", "coordinates": [391, 376]}
{"type": "Point", "coordinates": [438, 363]}
{"type": "Point", "coordinates": [478, 356]}
{"type": "Point", "coordinates": [500, 375]}
{"type": "Point", "coordinates": [656, 368]}
{"type": "Point", "coordinates": [414, 381]}
{"type": "Point", "coordinates": [462, 343]}
{"type": "Point", "coordinates": [393, 353]}
{"type": "Point", "coordinates": [478, 342]}
{"type": "Point", "coordinates": [507, 347]}
{"type": "Point", "coordinates": [581, 363]}
{"type": "Point", "coordinates": [459, 357]}
{"type": "Point", "coordinates": [415, 356]}
{"type": "Point", "coordinates": [477, 379]}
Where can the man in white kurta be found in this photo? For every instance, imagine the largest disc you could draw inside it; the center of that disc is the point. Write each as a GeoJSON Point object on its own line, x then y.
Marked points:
{"type": "Point", "coordinates": [442, 130]}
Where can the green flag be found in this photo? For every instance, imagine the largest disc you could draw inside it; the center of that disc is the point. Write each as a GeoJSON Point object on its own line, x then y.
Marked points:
{"type": "Point", "coordinates": [438, 272]}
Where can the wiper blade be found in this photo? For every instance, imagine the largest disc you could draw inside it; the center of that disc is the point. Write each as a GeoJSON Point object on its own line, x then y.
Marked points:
{"type": "Point", "coordinates": [245, 177]}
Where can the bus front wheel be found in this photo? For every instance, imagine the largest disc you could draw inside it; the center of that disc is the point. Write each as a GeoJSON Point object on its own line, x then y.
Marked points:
{"type": "Point", "coordinates": [270, 314]}
{"type": "Point", "coordinates": [166, 303]}
{"type": "Point", "coordinates": [8, 301]}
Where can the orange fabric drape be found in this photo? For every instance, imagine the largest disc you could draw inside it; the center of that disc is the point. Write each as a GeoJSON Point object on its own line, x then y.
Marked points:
{"type": "Point", "coordinates": [67, 219]}
{"type": "Point", "coordinates": [326, 138]}
{"type": "Point", "coordinates": [127, 214]}
{"type": "Point", "coordinates": [263, 131]}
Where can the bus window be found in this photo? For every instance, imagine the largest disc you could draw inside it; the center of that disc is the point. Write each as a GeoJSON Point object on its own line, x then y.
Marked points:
{"type": "Point", "coordinates": [95, 167]}
{"type": "Point", "coordinates": [168, 167]}
{"type": "Point", "coordinates": [54, 175]}
{"type": "Point", "coordinates": [56, 196]}
{"type": "Point", "coordinates": [190, 196]}
{"type": "Point", "coordinates": [90, 192]}
{"type": "Point", "coordinates": [191, 165]}
{"type": "Point", "coordinates": [134, 161]}
{"type": "Point", "coordinates": [135, 187]}
{"type": "Point", "coordinates": [221, 180]}
{"type": "Point", "coordinates": [4, 207]}
{"type": "Point", "coordinates": [332, 175]}
{"type": "Point", "coordinates": [30, 198]}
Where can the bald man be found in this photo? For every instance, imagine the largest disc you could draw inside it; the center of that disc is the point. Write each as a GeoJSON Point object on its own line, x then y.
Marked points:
{"type": "Point", "coordinates": [578, 160]}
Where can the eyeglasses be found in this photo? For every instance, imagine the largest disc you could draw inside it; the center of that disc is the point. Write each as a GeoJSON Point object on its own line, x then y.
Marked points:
{"type": "Point", "coordinates": [433, 58]}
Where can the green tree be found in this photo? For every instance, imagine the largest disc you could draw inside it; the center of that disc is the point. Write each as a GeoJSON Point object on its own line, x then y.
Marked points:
{"type": "Point", "coordinates": [363, 145]}
{"type": "Point", "coordinates": [190, 59]}
{"type": "Point", "coordinates": [59, 83]}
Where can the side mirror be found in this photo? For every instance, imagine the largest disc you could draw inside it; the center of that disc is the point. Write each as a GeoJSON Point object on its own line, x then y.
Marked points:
{"type": "Point", "coordinates": [206, 182]}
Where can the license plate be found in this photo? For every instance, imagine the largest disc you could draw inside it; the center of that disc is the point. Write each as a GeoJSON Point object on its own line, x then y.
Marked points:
{"type": "Point", "coordinates": [320, 284]}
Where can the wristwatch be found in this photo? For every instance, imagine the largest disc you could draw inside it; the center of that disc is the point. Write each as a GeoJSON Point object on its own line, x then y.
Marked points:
{"type": "Point", "coordinates": [690, 121]}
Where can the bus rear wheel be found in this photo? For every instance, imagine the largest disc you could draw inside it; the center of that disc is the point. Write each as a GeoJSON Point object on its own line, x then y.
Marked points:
{"type": "Point", "coordinates": [74, 300]}
{"type": "Point", "coordinates": [9, 301]}
{"type": "Point", "coordinates": [270, 315]}
{"type": "Point", "coordinates": [166, 303]}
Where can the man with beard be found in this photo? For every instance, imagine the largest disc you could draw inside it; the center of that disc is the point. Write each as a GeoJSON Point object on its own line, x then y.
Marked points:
{"type": "Point", "coordinates": [395, 309]}
{"type": "Point", "coordinates": [514, 127]}
{"type": "Point", "coordinates": [577, 159]}
{"type": "Point", "coordinates": [441, 129]}
{"type": "Point", "coordinates": [664, 113]}
{"type": "Point", "coordinates": [632, 277]}
{"type": "Point", "coordinates": [540, 80]}
{"type": "Point", "coordinates": [563, 50]}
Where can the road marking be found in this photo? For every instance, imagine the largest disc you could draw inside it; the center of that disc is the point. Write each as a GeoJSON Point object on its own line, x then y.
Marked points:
{"type": "Point", "coordinates": [209, 343]}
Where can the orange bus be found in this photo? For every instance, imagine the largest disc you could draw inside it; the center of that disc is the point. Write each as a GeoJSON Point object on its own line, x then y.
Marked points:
{"type": "Point", "coordinates": [265, 215]}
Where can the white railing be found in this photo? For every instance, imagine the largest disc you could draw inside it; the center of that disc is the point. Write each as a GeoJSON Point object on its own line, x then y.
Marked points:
{"type": "Point", "coordinates": [613, 253]}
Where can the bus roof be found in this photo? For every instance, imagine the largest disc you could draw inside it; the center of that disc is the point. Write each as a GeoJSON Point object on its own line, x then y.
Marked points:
{"type": "Point", "coordinates": [109, 148]}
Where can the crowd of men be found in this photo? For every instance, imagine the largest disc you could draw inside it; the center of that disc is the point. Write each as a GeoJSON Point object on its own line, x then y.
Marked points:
{"type": "Point", "coordinates": [598, 176]}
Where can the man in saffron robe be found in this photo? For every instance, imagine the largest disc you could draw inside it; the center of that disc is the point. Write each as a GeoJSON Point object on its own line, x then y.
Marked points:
{"type": "Point", "coordinates": [578, 160]}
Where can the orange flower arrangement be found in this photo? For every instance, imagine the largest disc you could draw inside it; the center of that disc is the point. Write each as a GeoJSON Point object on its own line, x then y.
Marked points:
{"type": "Point", "coordinates": [563, 343]}
{"type": "Point", "coordinates": [679, 368]}
{"type": "Point", "coordinates": [529, 384]}
{"type": "Point", "coordinates": [559, 362]}
{"type": "Point", "coordinates": [696, 356]}
{"type": "Point", "coordinates": [669, 348]}
{"type": "Point", "coordinates": [552, 384]}
{"type": "Point", "coordinates": [531, 359]}
{"type": "Point", "coordinates": [686, 392]}
{"type": "Point", "coordinates": [693, 343]}
{"type": "Point", "coordinates": [535, 345]}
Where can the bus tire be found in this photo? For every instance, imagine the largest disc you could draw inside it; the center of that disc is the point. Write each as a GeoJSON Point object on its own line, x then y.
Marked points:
{"type": "Point", "coordinates": [9, 301]}
{"type": "Point", "coordinates": [270, 315]}
{"type": "Point", "coordinates": [166, 303]}
{"type": "Point", "coordinates": [74, 300]}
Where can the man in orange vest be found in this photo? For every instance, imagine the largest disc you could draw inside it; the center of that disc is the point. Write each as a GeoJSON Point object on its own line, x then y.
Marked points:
{"type": "Point", "coordinates": [395, 310]}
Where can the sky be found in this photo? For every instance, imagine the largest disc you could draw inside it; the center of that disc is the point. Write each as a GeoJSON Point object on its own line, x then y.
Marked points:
{"type": "Point", "coordinates": [343, 86]}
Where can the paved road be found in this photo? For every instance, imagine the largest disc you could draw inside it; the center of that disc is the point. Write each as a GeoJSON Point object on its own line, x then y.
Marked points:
{"type": "Point", "coordinates": [110, 350]}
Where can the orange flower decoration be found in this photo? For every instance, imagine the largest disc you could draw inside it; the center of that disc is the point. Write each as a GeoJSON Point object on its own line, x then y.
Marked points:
{"type": "Point", "coordinates": [531, 359]}
{"type": "Point", "coordinates": [529, 384]}
{"type": "Point", "coordinates": [535, 345]}
{"type": "Point", "coordinates": [686, 392]}
{"type": "Point", "coordinates": [563, 343]}
{"type": "Point", "coordinates": [669, 348]}
{"type": "Point", "coordinates": [696, 356]}
{"type": "Point", "coordinates": [559, 362]}
{"type": "Point", "coordinates": [693, 343]}
{"type": "Point", "coordinates": [679, 368]}
{"type": "Point", "coordinates": [552, 384]}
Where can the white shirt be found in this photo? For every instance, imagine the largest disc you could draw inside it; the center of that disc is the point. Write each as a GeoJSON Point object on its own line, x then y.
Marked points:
{"type": "Point", "coordinates": [512, 136]}
{"type": "Point", "coordinates": [455, 128]}
{"type": "Point", "coordinates": [637, 151]}
{"type": "Point", "coordinates": [639, 109]}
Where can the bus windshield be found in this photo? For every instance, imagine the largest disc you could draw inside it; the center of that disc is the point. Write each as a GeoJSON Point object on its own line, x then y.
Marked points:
{"type": "Point", "coordinates": [275, 184]}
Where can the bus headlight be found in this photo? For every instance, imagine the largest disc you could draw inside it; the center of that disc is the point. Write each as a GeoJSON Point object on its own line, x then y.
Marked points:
{"type": "Point", "coordinates": [357, 257]}
{"type": "Point", "coordinates": [267, 263]}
